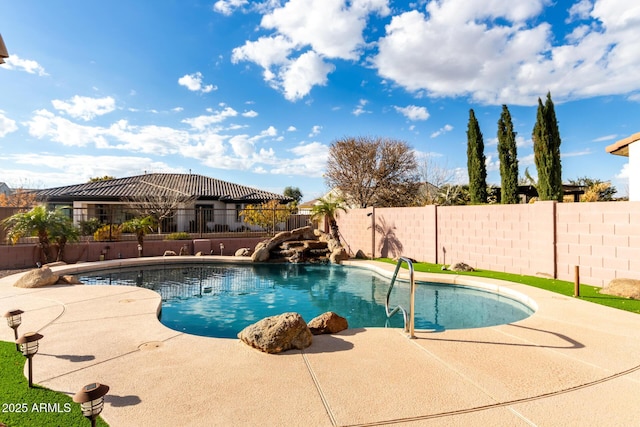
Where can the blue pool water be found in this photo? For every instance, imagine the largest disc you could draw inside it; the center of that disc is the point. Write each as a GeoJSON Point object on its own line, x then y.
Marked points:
{"type": "Point", "coordinates": [219, 300]}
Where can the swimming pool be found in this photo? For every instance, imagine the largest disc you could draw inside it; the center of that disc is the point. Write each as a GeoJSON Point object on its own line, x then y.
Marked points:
{"type": "Point", "coordinates": [219, 300]}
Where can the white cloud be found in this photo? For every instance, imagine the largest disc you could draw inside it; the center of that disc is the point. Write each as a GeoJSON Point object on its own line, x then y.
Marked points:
{"type": "Point", "coordinates": [266, 51]}
{"type": "Point", "coordinates": [315, 131]}
{"type": "Point", "coordinates": [328, 29]}
{"type": "Point", "coordinates": [579, 10]}
{"type": "Point", "coordinates": [14, 62]}
{"type": "Point", "coordinates": [291, 129]}
{"type": "Point", "coordinates": [7, 125]}
{"type": "Point", "coordinates": [227, 7]}
{"type": "Point", "coordinates": [85, 108]}
{"type": "Point", "coordinates": [624, 172]}
{"type": "Point", "coordinates": [442, 130]}
{"type": "Point", "coordinates": [360, 108]}
{"type": "Point", "coordinates": [298, 78]}
{"type": "Point", "coordinates": [202, 122]}
{"type": "Point", "coordinates": [202, 142]}
{"type": "Point", "coordinates": [250, 114]}
{"type": "Point", "coordinates": [53, 169]}
{"type": "Point", "coordinates": [332, 29]}
{"type": "Point", "coordinates": [508, 55]}
{"type": "Point", "coordinates": [309, 160]}
{"type": "Point", "coordinates": [605, 138]}
{"type": "Point", "coordinates": [413, 112]}
{"type": "Point", "coordinates": [193, 82]}
{"type": "Point", "coordinates": [522, 142]}
{"type": "Point", "coordinates": [270, 131]}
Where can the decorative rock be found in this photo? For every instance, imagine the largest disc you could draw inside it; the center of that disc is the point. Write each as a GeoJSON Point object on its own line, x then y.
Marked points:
{"type": "Point", "coordinates": [629, 288]}
{"type": "Point", "coordinates": [261, 253]}
{"type": "Point", "coordinates": [169, 253]}
{"type": "Point", "coordinates": [37, 278]}
{"type": "Point", "coordinates": [338, 255]}
{"type": "Point", "coordinates": [199, 253]}
{"type": "Point", "coordinates": [69, 279]}
{"type": "Point", "coordinates": [328, 323]}
{"type": "Point", "coordinates": [276, 334]}
{"type": "Point", "coordinates": [243, 252]}
{"type": "Point", "coordinates": [361, 255]}
{"type": "Point", "coordinates": [461, 266]}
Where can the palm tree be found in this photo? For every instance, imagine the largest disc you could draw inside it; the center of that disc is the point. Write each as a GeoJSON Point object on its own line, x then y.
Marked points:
{"type": "Point", "coordinates": [46, 225]}
{"type": "Point", "coordinates": [62, 231]}
{"type": "Point", "coordinates": [328, 208]}
{"type": "Point", "coordinates": [139, 226]}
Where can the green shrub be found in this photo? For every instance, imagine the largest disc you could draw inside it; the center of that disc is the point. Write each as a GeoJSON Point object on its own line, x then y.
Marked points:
{"type": "Point", "coordinates": [90, 226]}
{"type": "Point", "coordinates": [107, 233]}
{"type": "Point", "coordinates": [182, 235]}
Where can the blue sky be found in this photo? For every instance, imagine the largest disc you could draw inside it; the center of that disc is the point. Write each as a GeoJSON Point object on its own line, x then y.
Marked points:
{"type": "Point", "coordinates": [255, 92]}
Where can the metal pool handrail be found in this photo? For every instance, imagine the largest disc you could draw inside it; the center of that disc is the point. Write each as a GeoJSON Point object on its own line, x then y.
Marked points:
{"type": "Point", "coordinates": [409, 318]}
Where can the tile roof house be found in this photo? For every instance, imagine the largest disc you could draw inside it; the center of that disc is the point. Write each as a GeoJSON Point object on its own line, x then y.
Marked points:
{"type": "Point", "coordinates": [4, 189]}
{"type": "Point", "coordinates": [107, 200]}
{"type": "Point", "coordinates": [630, 147]}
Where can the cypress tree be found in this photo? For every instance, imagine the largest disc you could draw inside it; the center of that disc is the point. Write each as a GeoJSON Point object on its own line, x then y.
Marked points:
{"type": "Point", "coordinates": [546, 150]}
{"type": "Point", "coordinates": [508, 153]}
{"type": "Point", "coordinates": [476, 161]}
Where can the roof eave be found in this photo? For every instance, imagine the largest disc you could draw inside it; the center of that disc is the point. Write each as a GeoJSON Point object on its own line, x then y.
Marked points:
{"type": "Point", "coordinates": [621, 147]}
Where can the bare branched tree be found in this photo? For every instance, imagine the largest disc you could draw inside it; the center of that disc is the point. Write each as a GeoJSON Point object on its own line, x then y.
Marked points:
{"type": "Point", "coordinates": [373, 171]}
{"type": "Point", "coordinates": [435, 176]}
{"type": "Point", "coordinates": [159, 203]}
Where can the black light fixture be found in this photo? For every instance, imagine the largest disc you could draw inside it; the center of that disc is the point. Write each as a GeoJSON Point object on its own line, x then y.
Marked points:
{"type": "Point", "coordinates": [14, 319]}
{"type": "Point", "coordinates": [91, 400]}
{"type": "Point", "coordinates": [29, 346]}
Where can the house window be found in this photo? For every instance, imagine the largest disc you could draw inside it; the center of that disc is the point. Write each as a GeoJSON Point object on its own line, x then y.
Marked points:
{"type": "Point", "coordinates": [238, 210]}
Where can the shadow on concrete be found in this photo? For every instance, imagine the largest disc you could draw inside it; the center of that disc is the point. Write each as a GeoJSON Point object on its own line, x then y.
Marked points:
{"type": "Point", "coordinates": [121, 401]}
{"type": "Point", "coordinates": [70, 357]}
{"type": "Point", "coordinates": [573, 344]}
{"type": "Point", "coordinates": [327, 344]}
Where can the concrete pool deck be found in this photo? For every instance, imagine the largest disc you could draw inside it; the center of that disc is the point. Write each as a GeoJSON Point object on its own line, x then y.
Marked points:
{"type": "Point", "coordinates": [570, 363]}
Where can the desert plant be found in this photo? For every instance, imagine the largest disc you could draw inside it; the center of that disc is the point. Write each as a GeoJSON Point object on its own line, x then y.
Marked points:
{"type": "Point", "coordinates": [108, 232]}
{"type": "Point", "coordinates": [46, 224]}
{"type": "Point", "coordinates": [328, 208]}
{"type": "Point", "coordinates": [181, 235]}
{"type": "Point", "coordinates": [89, 226]}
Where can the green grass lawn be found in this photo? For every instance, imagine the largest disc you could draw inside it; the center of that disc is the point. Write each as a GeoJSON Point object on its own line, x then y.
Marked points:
{"type": "Point", "coordinates": [587, 293]}
{"type": "Point", "coordinates": [21, 406]}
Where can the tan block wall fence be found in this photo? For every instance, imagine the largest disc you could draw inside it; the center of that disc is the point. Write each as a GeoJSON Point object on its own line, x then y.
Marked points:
{"type": "Point", "coordinates": [543, 238]}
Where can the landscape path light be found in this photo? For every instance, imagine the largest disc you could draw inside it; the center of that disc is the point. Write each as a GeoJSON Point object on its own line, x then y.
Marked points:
{"type": "Point", "coordinates": [221, 248]}
{"type": "Point", "coordinates": [91, 400]}
{"type": "Point", "coordinates": [14, 319]}
{"type": "Point", "coordinates": [29, 347]}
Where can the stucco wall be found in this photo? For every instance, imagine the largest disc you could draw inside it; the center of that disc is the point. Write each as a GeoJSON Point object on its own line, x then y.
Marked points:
{"type": "Point", "coordinates": [544, 238]}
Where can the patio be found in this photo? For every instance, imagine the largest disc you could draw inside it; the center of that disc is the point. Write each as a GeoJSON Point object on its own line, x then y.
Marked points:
{"type": "Point", "coordinates": [570, 363]}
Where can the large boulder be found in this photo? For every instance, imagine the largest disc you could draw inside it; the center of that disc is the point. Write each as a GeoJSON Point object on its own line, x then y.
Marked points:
{"type": "Point", "coordinates": [328, 323]}
{"type": "Point", "coordinates": [37, 278]}
{"type": "Point", "coordinates": [629, 288]}
{"type": "Point", "coordinates": [338, 255]}
{"type": "Point", "coordinates": [260, 253]}
{"type": "Point", "coordinates": [277, 333]}
{"type": "Point", "coordinates": [243, 252]}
